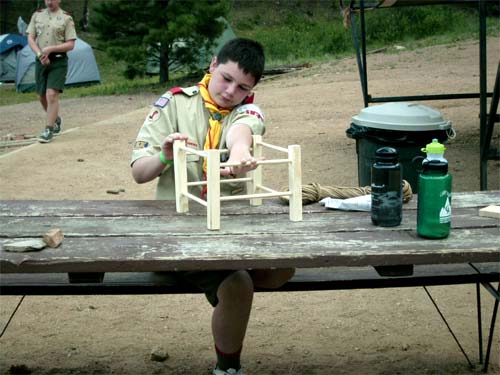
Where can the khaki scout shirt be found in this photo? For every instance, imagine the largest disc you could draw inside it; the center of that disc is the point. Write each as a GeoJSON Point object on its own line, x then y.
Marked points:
{"type": "Point", "coordinates": [51, 29]}
{"type": "Point", "coordinates": [185, 113]}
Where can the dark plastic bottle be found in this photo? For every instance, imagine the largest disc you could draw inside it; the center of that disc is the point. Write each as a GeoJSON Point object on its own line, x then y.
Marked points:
{"type": "Point", "coordinates": [434, 200]}
{"type": "Point", "coordinates": [386, 188]}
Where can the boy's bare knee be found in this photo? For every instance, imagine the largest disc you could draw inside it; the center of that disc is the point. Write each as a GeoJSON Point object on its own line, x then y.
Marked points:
{"type": "Point", "coordinates": [238, 284]}
{"type": "Point", "coordinates": [272, 279]}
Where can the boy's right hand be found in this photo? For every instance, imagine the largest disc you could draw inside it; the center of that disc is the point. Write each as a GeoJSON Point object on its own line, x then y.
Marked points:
{"type": "Point", "coordinates": [168, 144]}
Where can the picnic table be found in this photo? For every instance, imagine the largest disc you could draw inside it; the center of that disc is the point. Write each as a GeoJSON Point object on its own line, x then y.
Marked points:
{"type": "Point", "coordinates": [128, 241]}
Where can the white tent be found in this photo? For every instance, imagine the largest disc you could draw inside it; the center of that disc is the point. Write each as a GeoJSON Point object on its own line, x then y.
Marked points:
{"type": "Point", "coordinates": [82, 67]}
{"type": "Point", "coordinates": [10, 44]}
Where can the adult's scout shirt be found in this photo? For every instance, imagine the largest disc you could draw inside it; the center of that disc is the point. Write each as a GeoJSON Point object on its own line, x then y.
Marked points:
{"type": "Point", "coordinates": [51, 29]}
{"type": "Point", "coordinates": [184, 112]}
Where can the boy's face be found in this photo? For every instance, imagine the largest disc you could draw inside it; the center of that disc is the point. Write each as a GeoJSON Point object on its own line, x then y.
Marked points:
{"type": "Point", "coordinates": [52, 5]}
{"type": "Point", "coordinates": [229, 85]}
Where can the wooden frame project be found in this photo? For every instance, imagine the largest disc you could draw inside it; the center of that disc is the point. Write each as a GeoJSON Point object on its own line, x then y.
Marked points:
{"type": "Point", "coordinates": [255, 190]}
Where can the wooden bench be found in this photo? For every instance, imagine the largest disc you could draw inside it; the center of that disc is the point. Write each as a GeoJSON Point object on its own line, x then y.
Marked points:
{"type": "Point", "coordinates": [125, 247]}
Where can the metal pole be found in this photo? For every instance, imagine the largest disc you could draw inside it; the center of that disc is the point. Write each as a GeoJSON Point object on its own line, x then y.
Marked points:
{"type": "Point", "coordinates": [363, 50]}
{"type": "Point", "coordinates": [479, 322]}
{"type": "Point", "coordinates": [483, 168]}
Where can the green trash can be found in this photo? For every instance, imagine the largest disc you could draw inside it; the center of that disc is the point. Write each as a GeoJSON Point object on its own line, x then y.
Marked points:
{"type": "Point", "coordinates": [407, 127]}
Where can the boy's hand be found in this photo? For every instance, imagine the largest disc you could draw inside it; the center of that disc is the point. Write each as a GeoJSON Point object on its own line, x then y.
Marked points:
{"type": "Point", "coordinates": [247, 165]}
{"type": "Point", "coordinates": [168, 144]}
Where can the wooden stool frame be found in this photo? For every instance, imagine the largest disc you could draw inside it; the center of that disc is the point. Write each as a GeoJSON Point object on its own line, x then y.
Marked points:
{"type": "Point", "coordinates": [255, 190]}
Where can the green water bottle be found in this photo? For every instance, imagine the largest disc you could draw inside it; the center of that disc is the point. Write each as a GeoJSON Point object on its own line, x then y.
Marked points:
{"type": "Point", "coordinates": [434, 194]}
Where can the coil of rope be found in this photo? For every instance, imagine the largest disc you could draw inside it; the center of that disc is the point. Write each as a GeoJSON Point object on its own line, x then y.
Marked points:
{"type": "Point", "coordinates": [315, 192]}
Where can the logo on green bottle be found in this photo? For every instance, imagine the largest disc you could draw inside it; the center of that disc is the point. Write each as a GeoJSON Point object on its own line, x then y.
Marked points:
{"type": "Point", "coordinates": [445, 212]}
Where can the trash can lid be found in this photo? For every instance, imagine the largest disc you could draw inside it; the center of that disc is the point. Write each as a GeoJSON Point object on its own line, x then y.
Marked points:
{"type": "Point", "coordinates": [401, 116]}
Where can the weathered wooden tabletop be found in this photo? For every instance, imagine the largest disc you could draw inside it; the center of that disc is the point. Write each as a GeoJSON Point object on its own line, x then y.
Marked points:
{"type": "Point", "coordinates": [130, 236]}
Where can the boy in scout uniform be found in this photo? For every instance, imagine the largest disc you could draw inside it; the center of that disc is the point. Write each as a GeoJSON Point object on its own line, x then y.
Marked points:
{"type": "Point", "coordinates": [51, 33]}
{"type": "Point", "coordinates": [216, 113]}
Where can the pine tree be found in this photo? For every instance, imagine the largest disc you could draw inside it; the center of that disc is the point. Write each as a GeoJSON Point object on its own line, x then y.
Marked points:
{"type": "Point", "coordinates": [183, 29]}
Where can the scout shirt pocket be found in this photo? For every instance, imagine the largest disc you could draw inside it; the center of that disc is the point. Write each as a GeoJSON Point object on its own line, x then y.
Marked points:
{"type": "Point", "coordinates": [39, 28]}
{"type": "Point", "coordinates": [60, 32]}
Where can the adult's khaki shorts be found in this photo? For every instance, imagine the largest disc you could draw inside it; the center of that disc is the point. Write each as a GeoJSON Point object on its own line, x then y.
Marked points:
{"type": "Point", "coordinates": [52, 76]}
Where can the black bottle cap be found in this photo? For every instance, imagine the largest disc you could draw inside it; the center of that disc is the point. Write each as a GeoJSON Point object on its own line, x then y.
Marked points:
{"type": "Point", "coordinates": [386, 155]}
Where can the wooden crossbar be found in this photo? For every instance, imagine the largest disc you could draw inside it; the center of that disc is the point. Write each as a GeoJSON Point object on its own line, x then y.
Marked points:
{"type": "Point", "coordinates": [253, 183]}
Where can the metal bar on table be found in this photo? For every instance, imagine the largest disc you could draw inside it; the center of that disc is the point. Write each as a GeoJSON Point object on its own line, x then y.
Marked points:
{"type": "Point", "coordinates": [479, 322]}
{"type": "Point", "coordinates": [448, 326]}
{"type": "Point", "coordinates": [492, 328]}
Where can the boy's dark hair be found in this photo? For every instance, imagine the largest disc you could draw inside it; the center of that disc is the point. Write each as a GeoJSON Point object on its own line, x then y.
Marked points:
{"type": "Point", "coordinates": [247, 53]}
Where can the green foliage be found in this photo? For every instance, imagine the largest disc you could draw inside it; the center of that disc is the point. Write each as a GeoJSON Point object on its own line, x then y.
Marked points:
{"type": "Point", "coordinates": [412, 23]}
{"type": "Point", "coordinates": [292, 31]}
{"type": "Point", "coordinates": [182, 27]}
{"type": "Point", "coordinates": [298, 30]}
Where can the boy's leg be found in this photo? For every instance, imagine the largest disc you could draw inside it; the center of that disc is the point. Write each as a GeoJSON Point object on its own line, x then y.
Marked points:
{"type": "Point", "coordinates": [230, 317]}
{"type": "Point", "coordinates": [271, 279]}
{"type": "Point", "coordinates": [231, 295]}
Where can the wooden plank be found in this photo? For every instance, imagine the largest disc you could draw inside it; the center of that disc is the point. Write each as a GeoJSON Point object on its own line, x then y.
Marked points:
{"type": "Point", "coordinates": [477, 199]}
{"type": "Point", "coordinates": [154, 253]}
{"type": "Point", "coordinates": [182, 224]}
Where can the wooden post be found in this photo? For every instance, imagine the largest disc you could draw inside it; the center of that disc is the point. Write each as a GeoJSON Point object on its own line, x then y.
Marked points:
{"type": "Point", "coordinates": [213, 189]}
{"type": "Point", "coordinates": [295, 182]}
{"type": "Point", "coordinates": [180, 173]}
{"type": "Point", "coordinates": [256, 174]}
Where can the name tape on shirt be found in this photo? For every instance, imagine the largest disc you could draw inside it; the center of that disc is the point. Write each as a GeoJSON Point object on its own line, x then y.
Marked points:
{"type": "Point", "coordinates": [251, 109]}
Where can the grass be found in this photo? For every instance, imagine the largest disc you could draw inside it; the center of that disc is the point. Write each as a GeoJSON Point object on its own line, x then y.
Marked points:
{"type": "Point", "coordinates": [295, 31]}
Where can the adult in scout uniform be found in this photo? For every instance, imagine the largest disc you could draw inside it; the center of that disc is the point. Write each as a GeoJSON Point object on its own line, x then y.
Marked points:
{"type": "Point", "coordinates": [51, 33]}
{"type": "Point", "coordinates": [217, 113]}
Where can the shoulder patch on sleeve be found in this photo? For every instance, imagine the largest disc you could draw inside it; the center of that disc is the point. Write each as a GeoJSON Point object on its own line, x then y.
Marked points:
{"type": "Point", "coordinates": [251, 109]}
{"type": "Point", "coordinates": [161, 102]}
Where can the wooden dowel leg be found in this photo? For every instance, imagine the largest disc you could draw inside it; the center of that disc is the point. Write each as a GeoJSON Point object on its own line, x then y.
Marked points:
{"type": "Point", "coordinates": [256, 173]}
{"type": "Point", "coordinates": [213, 189]}
{"type": "Point", "coordinates": [180, 173]}
{"type": "Point", "coordinates": [295, 182]}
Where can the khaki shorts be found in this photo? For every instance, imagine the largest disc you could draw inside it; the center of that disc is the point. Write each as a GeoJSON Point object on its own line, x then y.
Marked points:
{"type": "Point", "coordinates": [52, 76]}
{"type": "Point", "coordinates": [206, 281]}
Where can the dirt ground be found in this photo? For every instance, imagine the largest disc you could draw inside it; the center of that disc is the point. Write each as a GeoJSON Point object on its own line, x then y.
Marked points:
{"type": "Point", "coordinates": [394, 331]}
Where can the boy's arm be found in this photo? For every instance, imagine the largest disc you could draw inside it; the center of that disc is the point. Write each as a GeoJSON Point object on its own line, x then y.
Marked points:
{"type": "Point", "coordinates": [148, 168]}
{"type": "Point", "coordinates": [239, 141]}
